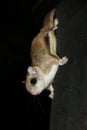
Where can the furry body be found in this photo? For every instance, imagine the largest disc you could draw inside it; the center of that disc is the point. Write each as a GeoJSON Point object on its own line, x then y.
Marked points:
{"type": "Point", "coordinates": [45, 61]}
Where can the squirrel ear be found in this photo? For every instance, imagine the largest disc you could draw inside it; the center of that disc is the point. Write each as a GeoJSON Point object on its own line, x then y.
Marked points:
{"type": "Point", "coordinates": [31, 70]}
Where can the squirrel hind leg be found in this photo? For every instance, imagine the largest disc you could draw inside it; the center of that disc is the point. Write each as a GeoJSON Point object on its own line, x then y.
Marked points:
{"type": "Point", "coordinates": [56, 22]}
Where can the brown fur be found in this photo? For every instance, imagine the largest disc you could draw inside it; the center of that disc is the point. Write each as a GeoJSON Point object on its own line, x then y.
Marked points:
{"type": "Point", "coordinates": [39, 52]}
{"type": "Point", "coordinates": [44, 59]}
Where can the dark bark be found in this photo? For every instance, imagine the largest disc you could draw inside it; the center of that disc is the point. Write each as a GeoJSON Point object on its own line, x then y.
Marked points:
{"type": "Point", "coordinates": [69, 107]}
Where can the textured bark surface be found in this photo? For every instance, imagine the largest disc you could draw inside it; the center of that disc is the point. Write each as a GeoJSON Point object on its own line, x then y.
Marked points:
{"type": "Point", "coordinates": [69, 107]}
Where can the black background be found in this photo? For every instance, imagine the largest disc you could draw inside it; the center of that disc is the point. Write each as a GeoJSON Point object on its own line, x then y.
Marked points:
{"type": "Point", "coordinates": [69, 107]}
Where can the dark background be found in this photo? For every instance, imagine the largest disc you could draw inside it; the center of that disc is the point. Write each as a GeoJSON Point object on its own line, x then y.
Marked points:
{"type": "Point", "coordinates": [68, 110]}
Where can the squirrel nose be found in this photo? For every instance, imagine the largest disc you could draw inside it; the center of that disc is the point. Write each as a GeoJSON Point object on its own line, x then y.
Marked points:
{"type": "Point", "coordinates": [33, 81]}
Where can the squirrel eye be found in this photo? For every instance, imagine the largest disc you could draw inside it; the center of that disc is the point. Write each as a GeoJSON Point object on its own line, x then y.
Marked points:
{"type": "Point", "coordinates": [33, 81]}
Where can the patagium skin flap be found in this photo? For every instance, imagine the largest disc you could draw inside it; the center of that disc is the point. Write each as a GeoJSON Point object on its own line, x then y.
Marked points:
{"type": "Point", "coordinates": [44, 59]}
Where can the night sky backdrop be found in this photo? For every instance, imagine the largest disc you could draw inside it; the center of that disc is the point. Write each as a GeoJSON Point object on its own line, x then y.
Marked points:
{"type": "Point", "coordinates": [68, 110]}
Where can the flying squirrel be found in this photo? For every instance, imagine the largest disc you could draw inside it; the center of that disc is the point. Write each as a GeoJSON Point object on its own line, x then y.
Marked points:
{"type": "Point", "coordinates": [44, 59]}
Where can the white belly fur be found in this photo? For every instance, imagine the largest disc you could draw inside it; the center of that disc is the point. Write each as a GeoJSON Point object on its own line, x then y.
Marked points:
{"type": "Point", "coordinates": [51, 75]}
